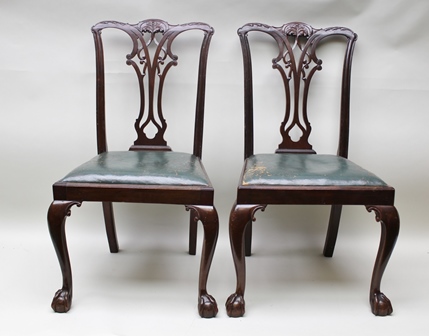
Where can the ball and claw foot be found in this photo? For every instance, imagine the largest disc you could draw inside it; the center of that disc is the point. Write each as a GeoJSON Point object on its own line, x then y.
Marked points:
{"type": "Point", "coordinates": [235, 305]}
{"type": "Point", "coordinates": [380, 304]}
{"type": "Point", "coordinates": [207, 306]}
{"type": "Point", "coordinates": [61, 302]}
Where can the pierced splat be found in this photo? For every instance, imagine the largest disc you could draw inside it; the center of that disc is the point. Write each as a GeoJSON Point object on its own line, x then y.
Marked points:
{"type": "Point", "coordinates": [297, 63]}
{"type": "Point", "coordinates": [143, 176]}
{"type": "Point", "coordinates": [276, 179]}
{"type": "Point", "coordinates": [151, 58]}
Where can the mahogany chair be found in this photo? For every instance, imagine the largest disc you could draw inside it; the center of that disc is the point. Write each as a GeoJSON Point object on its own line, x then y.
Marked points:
{"type": "Point", "coordinates": [295, 174]}
{"type": "Point", "coordinates": [149, 172]}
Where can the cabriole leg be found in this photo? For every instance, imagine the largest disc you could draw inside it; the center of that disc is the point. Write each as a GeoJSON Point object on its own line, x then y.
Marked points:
{"type": "Point", "coordinates": [240, 216]}
{"type": "Point", "coordinates": [389, 220]}
{"type": "Point", "coordinates": [207, 306]}
{"type": "Point", "coordinates": [57, 213]}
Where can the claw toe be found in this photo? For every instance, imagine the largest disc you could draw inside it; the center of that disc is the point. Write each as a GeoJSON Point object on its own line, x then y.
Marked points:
{"type": "Point", "coordinates": [235, 305]}
{"type": "Point", "coordinates": [381, 305]}
{"type": "Point", "coordinates": [207, 306]}
{"type": "Point", "coordinates": [61, 302]}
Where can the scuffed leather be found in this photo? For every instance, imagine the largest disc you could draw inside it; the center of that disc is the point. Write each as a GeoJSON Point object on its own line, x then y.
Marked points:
{"type": "Point", "coordinates": [306, 169]}
{"type": "Point", "coordinates": [141, 167]}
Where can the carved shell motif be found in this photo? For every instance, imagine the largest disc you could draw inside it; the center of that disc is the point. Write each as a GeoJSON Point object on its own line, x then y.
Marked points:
{"type": "Point", "coordinates": [153, 26]}
{"type": "Point", "coordinates": [297, 29]}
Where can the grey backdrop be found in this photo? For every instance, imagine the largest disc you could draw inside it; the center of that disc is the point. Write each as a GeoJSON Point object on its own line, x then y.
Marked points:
{"type": "Point", "coordinates": [47, 103]}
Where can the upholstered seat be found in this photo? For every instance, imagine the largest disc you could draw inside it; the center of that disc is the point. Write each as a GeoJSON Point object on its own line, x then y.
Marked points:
{"type": "Point", "coordinates": [294, 173]}
{"type": "Point", "coordinates": [150, 172]}
{"type": "Point", "coordinates": [137, 167]}
{"type": "Point", "coordinates": [306, 170]}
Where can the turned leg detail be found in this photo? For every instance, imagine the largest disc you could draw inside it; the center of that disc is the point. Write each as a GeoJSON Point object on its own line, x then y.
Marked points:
{"type": "Point", "coordinates": [57, 213]}
{"type": "Point", "coordinates": [207, 306]}
{"type": "Point", "coordinates": [389, 220]}
{"type": "Point", "coordinates": [240, 216]}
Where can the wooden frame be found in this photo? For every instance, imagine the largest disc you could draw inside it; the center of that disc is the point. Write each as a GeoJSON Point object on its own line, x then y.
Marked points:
{"type": "Point", "coordinates": [151, 70]}
{"type": "Point", "coordinates": [297, 63]}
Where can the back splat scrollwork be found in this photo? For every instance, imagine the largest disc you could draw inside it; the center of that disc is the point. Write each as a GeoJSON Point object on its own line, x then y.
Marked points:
{"type": "Point", "coordinates": [296, 62]}
{"type": "Point", "coordinates": [151, 57]}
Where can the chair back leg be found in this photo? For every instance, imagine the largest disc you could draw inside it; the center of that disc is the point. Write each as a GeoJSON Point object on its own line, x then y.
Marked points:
{"type": "Point", "coordinates": [109, 221]}
{"type": "Point", "coordinates": [193, 230]}
{"type": "Point", "coordinates": [331, 235]}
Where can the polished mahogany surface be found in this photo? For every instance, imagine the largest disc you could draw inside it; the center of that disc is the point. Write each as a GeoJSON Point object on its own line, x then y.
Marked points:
{"type": "Point", "coordinates": [149, 172]}
{"type": "Point", "coordinates": [295, 173]}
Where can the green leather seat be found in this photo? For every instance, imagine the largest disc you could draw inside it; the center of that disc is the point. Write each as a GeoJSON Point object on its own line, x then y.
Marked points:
{"type": "Point", "coordinates": [149, 172]}
{"type": "Point", "coordinates": [295, 174]}
{"type": "Point", "coordinates": [306, 170]}
{"type": "Point", "coordinates": [141, 167]}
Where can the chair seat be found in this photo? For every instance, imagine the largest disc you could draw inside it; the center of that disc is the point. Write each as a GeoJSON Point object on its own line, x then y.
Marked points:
{"type": "Point", "coordinates": [141, 167]}
{"type": "Point", "coordinates": [306, 170]}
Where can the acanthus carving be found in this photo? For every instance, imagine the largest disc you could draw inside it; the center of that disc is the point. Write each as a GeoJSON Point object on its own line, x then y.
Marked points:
{"type": "Point", "coordinates": [255, 208]}
{"type": "Point", "coordinates": [153, 26]}
{"type": "Point", "coordinates": [246, 211]}
{"type": "Point", "coordinates": [297, 29]}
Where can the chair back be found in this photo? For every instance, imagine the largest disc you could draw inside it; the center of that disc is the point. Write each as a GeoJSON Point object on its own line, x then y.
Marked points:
{"type": "Point", "coordinates": [151, 56]}
{"type": "Point", "coordinates": [297, 62]}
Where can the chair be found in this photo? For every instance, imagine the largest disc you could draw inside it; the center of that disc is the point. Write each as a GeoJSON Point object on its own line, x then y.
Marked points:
{"type": "Point", "coordinates": [295, 174]}
{"type": "Point", "coordinates": [149, 172]}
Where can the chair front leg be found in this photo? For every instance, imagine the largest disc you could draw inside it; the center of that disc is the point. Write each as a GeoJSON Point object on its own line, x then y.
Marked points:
{"type": "Point", "coordinates": [241, 215]}
{"type": "Point", "coordinates": [207, 306]}
{"type": "Point", "coordinates": [389, 220]}
{"type": "Point", "coordinates": [57, 213]}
